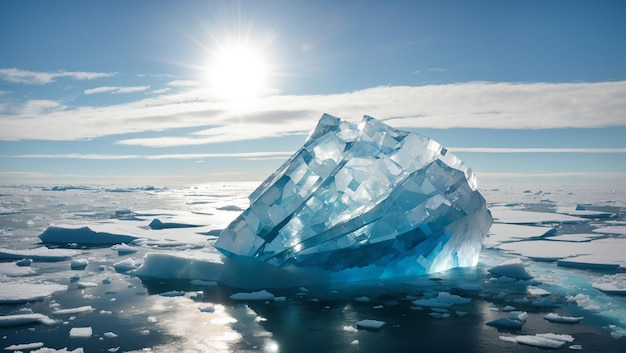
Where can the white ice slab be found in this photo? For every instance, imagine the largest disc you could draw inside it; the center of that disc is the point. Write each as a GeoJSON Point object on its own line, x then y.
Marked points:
{"type": "Point", "coordinates": [41, 253]}
{"type": "Point", "coordinates": [12, 292]}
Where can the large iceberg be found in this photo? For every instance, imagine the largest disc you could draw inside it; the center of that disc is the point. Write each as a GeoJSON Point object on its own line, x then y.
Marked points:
{"type": "Point", "coordinates": [362, 202]}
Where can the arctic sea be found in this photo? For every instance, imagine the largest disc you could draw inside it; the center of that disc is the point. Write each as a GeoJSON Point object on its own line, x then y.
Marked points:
{"type": "Point", "coordinates": [77, 289]}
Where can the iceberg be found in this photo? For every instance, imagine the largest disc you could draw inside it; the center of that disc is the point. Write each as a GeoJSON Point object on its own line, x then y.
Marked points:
{"type": "Point", "coordinates": [363, 202]}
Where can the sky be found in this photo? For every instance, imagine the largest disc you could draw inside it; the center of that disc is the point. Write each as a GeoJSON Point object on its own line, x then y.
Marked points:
{"type": "Point", "coordinates": [182, 92]}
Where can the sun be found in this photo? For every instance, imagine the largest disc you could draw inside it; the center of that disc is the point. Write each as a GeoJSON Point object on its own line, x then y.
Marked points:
{"type": "Point", "coordinates": [238, 72]}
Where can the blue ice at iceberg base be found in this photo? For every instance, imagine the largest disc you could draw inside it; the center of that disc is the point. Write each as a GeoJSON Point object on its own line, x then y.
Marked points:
{"type": "Point", "coordinates": [363, 202]}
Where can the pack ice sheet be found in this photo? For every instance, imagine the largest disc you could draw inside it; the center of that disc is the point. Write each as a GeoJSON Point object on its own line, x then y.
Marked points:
{"type": "Point", "coordinates": [363, 202]}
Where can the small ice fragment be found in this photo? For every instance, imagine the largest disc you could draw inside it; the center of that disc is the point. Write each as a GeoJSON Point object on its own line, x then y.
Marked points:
{"type": "Point", "coordinates": [378, 307]}
{"type": "Point", "coordinates": [172, 293]}
{"type": "Point", "coordinates": [538, 341]}
{"type": "Point", "coordinates": [260, 295]}
{"type": "Point", "coordinates": [24, 262]}
{"type": "Point", "coordinates": [553, 317]}
{"type": "Point", "coordinates": [576, 347]}
{"type": "Point", "coordinates": [504, 322]}
{"type": "Point", "coordinates": [144, 332]}
{"type": "Point", "coordinates": [125, 265]}
{"type": "Point", "coordinates": [207, 309]}
{"type": "Point", "coordinates": [24, 346]}
{"type": "Point", "coordinates": [518, 315]}
{"type": "Point", "coordinates": [461, 313]}
{"type": "Point", "coordinates": [79, 264]}
{"type": "Point", "coordinates": [370, 324]}
{"type": "Point", "coordinates": [432, 302]}
{"type": "Point", "coordinates": [123, 249]}
{"type": "Point", "coordinates": [280, 299]}
{"type": "Point", "coordinates": [114, 349]}
{"type": "Point", "coordinates": [513, 268]}
{"type": "Point", "coordinates": [362, 299]}
{"type": "Point", "coordinates": [199, 282]}
{"type": "Point", "coordinates": [508, 339]}
{"type": "Point", "coordinates": [446, 297]}
{"type": "Point", "coordinates": [85, 284]}
{"type": "Point", "coordinates": [350, 328]}
{"type": "Point", "coordinates": [152, 319]}
{"type": "Point", "coordinates": [557, 337]}
{"type": "Point", "coordinates": [509, 308]}
{"type": "Point", "coordinates": [537, 292]}
{"type": "Point", "coordinates": [110, 334]}
{"type": "Point", "coordinates": [106, 312]}
{"type": "Point", "coordinates": [439, 315]}
{"type": "Point", "coordinates": [80, 332]}
{"type": "Point", "coordinates": [80, 309]}
{"type": "Point", "coordinates": [354, 342]}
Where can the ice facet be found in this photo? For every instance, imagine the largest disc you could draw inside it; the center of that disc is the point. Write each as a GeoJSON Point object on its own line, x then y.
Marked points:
{"type": "Point", "coordinates": [363, 202]}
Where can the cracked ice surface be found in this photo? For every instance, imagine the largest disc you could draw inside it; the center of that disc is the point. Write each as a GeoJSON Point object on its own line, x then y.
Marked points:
{"type": "Point", "coordinates": [363, 202]}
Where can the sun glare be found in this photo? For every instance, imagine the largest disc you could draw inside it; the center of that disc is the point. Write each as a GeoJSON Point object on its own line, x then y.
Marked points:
{"type": "Point", "coordinates": [238, 72]}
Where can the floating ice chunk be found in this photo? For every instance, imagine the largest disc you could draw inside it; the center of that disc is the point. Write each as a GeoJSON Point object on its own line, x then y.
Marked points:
{"type": "Point", "coordinates": [552, 317]}
{"type": "Point", "coordinates": [207, 309]}
{"type": "Point", "coordinates": [536, 291]}
{"type": "Point", "coordinates": [24, 346]}
{"type": "Point", "coordinates": [504, 322]}
{"type": "Point", "coordinates": [362, 299]}
{"type": "Point", "coordinates": [370, 324]}
{"type": "Point", "coordinates": [24, 319]}
{"type": "Point", "coordinates": [557, 337]}
{"type": "Point", "coordinates": [157, 224]}
{"type": "Point", "coordinates": [80, 309]}
{"type": "Point", "coordinates": [80, 332]}
{"type": "Point", "coordinates": [518, 315]}
{"type": "Point", "coordinates": [509, 308]}
{"type": "Point", "coordinates": [437, 315]}
{"type": "Point", "coordinates": [363, 202]}
{"type": "Point", "coordinates": [538, 341]}
{"type": "Point", "coordinates": [110, 334]}
{"type": "Point", "coordinates": [432, 303]}
{"type": "Point", "coordinates": [187, 265]}
{"type": "Point", "coordinates": [79, 264]}
{"type": "Point", "coordinates": [125, 265]}
{"type": "Point", "coordinates": [260, 295]}
{"type": "Point", "coordinates": [24, 262]}
{"type": "Point", "coordinates": [38, 254]}
{"type": "Point", "coordinates": [612, 284]}
{"type": "Point", "coordinates": [62, 350]}
{"type": "Point", "coordinates": [350, 329]}
{"type": "Point", "coordinates": [576, 347]}
{"type": "Point", "coordinates": [446, 297]}
{"type": "Point", "coordinates": [82, 235]}
{"type": "Point", "coordinates": [513, 268]}
{"type": "Point", "coordinates": [172, 293]}
{"type": "Point", "coordinates": [15, 293]}
{"type": "Point", "coordinates": [123, 249]}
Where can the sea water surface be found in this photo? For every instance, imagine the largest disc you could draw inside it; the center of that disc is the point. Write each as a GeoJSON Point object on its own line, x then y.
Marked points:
{"type": "Point", "coordinates": [127, 313]}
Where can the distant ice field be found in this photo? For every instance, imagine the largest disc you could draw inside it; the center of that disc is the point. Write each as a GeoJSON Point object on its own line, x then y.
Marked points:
{"type": "Point", "coordinates": [112, 268]}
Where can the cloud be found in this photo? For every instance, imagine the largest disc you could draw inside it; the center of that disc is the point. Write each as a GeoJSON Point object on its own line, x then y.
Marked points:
{"type": "Point", "coordinates": [116, 89]}
{"type": "Point", "coordinates": [465, 105]}
{"type": "Point", "coordinates": [39, 78]}
{"type": "Point", "coordinates": [242, 155]}
{"type": "Point", "coordinates": [536, 150]}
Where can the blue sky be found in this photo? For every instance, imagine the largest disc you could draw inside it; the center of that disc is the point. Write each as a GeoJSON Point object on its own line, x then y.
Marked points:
{"type": "Point", "coordinates": [163, 92]}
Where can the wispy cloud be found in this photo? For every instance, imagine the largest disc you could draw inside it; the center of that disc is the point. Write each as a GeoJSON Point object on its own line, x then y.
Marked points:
{"type": "Point", "coordinates": [33, 77]}
{"type": "Point", "coordinates": [536, 150]}
{"type": "Point", "coordinates": [243, 155]}
{"type": "Point", "coordinates": [116, 89]}
{"type": "Point", "coordinates": [473, 104]}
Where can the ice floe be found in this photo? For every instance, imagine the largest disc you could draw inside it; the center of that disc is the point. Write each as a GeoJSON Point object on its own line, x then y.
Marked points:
{"type": "Point", "coordinates": [41, 253]}
{"type": "Point", "coordinates": [513, 268]}
{"type": "Point", "coordinates": [24, 319]}
{"type": "Point", "coordinates": [370, 324]}
{"type": "Point", "coordinates": [22, 292]}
